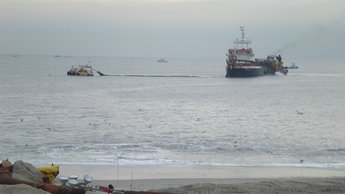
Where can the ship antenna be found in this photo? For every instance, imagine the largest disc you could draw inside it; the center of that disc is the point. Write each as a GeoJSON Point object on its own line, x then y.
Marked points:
{"type": "Point", "coordinates": [243, 37]}
{"type": "Point", "coordinates": [243, 41]}
{"type": "Point", "coordinates": [242, 32]}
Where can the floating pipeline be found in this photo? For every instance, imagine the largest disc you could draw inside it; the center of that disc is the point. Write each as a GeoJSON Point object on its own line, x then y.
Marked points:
{"type": "Point", "coordinates": [143, 75]}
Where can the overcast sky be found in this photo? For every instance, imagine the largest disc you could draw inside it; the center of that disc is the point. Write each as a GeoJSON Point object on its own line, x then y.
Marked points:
{"type": "Point", "coordinates": [172, 28]}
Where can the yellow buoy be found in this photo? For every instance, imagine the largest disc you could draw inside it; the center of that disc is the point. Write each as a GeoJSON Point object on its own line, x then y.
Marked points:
{"type": "Point", "coordinates": [49, 171]}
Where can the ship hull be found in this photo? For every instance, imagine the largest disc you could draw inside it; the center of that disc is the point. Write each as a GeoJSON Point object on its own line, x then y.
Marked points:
{"type": "Point", "coordinates": [244, 72]}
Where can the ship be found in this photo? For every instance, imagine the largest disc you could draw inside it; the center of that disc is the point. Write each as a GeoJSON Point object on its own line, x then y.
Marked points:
{"type": "Point", "coordinates": [83, 70]}
{"type": "Point", "coordinates": [240, 59]}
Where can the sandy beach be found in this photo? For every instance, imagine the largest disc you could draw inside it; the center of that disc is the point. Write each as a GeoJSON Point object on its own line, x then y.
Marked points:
{"type": "Point", "coordinates": [178, 179]}
{"type": "Point", "coordinates": [203, 180]}
{"type": "Point", "coordinates": [127, 172]}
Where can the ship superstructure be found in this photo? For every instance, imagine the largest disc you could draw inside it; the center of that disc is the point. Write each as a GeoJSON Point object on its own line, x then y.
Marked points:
{"type": "Point", "coordinates": [240, 59]}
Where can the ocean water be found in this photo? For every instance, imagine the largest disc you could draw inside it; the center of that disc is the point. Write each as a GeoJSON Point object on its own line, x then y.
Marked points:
{"type": "Point", "coordinates": [49, 117]}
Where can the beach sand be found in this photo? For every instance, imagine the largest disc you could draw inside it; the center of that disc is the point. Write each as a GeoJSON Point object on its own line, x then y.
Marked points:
{"type": "Point", "coordinates": [214, 180]}
{"type": "Point", "coordinates": [262, 186]}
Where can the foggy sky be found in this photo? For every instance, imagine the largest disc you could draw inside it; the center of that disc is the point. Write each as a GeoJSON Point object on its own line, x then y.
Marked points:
{"type": "Point", "coordinates": [172, 28]}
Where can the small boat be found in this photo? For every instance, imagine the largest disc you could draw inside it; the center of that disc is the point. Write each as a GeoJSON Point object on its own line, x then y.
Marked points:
{"type": "Point", "coordinates": [292, 66]}
{"type": "Point", "coordinates": [162, 60]}
{"type": "Point", "coordinates": [240, 61]}
{"type": "Point", "coordinates": [81, 70]}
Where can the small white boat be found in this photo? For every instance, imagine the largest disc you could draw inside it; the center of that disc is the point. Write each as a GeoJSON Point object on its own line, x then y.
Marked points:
{"type": "Point", "coordinates": [162, 60]}
{"type": "Point", "coordinates": [292, 66]}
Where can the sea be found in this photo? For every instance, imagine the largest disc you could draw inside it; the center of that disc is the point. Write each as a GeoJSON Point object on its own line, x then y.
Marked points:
{"type": "Point", "coordinates": [183, 112]}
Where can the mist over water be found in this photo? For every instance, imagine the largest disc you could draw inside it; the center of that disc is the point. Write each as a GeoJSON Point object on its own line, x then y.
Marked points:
{"type": "Point", "coordinates": [47, 116]}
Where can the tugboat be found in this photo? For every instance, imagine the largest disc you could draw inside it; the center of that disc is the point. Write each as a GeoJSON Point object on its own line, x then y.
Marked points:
{"type": "Point", "coordinates": [240, 61]}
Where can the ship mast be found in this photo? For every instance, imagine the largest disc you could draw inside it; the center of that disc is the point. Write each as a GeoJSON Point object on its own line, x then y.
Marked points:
{"type": "Point", "coordinates": [243, 40]}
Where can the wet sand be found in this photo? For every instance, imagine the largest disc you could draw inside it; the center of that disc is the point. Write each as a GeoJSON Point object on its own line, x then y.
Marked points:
{"type": "Point", "coordinates": [114, 172]}
{"type": "Point", "coordinates": [222, 186]}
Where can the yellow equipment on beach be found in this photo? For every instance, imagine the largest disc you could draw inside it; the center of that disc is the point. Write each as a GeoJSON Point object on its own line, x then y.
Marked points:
{"type": "Point", "coordinates": [49, 171]}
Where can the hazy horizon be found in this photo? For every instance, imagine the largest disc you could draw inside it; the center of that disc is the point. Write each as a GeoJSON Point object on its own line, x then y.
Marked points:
{"type": "Point", "coordinates": [172, 28]}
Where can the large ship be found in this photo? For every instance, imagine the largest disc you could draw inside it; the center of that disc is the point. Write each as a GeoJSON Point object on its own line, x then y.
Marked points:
{"type": "Point", "coordinates": [240, 59]}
